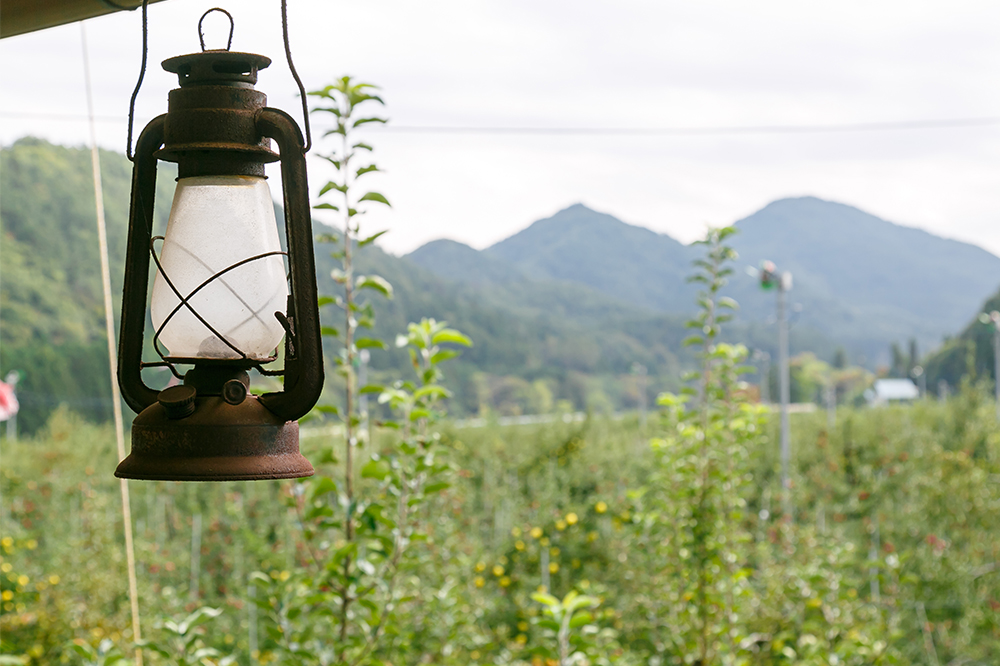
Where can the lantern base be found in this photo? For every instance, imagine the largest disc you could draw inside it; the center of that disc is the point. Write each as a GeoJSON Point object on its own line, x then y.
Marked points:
{"type": "Point", "coordinates": [217, 442]}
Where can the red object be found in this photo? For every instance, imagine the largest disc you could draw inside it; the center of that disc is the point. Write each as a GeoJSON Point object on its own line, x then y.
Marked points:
{"type": "Point", "coordinates": [8, 401]}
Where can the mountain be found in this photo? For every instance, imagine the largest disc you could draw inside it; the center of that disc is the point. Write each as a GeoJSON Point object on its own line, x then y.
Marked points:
{"type": "Point", "coordinates": [859, 281]}
{"type": "Point", "coordinates": [561, 312]}
{"type": "Point", "coordinates": [863, 280]}
{"type": "Point", "coordinates": [536, 343]}
{"type": "Point", "coordinates": [600, 251]}
{"type": "Point", "coordinates": [456, 261]}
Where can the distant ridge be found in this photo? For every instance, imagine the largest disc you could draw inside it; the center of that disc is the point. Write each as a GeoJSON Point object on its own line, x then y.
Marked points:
{"type": "Point", "coordinates": [581, 245]}
{"type": "Point", "coordinates": [457, 261]}
{"type": "Point", "coordinates": [862, 281]}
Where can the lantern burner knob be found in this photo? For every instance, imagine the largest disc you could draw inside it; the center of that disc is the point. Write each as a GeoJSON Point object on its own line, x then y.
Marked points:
{"type": "Point", "coordinates": [178, 401]}
{"type": "Point", "coordinates": [234, 391]}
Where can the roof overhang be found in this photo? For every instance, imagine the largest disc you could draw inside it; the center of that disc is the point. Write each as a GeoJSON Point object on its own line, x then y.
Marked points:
{"type": "Point", "coordinates": [20, 16]}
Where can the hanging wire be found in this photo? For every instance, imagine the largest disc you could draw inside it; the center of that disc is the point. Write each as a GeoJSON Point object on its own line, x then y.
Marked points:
{"type": "Point", "coordinates": [138, 84]}
{"type": "Point", "coordinates": [295, 75]}
{"type": "Point", "coordinates": [232, 26]}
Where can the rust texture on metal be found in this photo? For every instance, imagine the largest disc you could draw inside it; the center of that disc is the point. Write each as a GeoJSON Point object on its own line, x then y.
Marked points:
{"type": "Point", "coordinates": [218, 442]}
{"type": "Point", "coordinates": [218, 124]}
{"type": "Point", "coordinates": [211, 118]}
{"type": "Point", "coordinates": [23, 16]}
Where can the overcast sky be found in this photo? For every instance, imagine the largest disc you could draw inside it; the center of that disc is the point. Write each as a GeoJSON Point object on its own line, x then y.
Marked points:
{"type": "Point", "coordinates": [577, 64]}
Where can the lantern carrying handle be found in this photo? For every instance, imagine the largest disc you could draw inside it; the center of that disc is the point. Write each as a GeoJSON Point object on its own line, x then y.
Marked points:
{"type": "Point", "coordinates": [232, 26]}
{"type": "Point", "coordinates": [303, 380]}
{"type": "Point", "coordinates": [136, 394]}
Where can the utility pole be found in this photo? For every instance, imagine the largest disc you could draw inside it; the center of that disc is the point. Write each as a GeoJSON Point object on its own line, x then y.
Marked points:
{"type": "Point", "coordinates": [765, 374]}
{"type": "Point", "coordinates": [771, 279]}
{"type": "Point", "coordinates": [784, 284]}
{"type": "Point", "coordinates": [921, 377]}
{"type": "Point", "coordinates": [994, 318]}
{"type": "Point", "coordinates": [831, 404]}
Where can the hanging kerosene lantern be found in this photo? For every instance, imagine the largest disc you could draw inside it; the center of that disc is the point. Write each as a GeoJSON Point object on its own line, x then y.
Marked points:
{"type": "Point", "coordinates": [220, 299]}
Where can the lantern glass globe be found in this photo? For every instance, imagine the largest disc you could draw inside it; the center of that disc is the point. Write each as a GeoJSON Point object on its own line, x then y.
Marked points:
{"type": "Point", "coordinates": [215, 223]}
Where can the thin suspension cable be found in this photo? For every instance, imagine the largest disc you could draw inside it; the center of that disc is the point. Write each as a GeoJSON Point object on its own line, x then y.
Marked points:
{"type": "Point", "coordinates": [109, 323]}
{"type": "Point", "coordinates": [295, 75]}
{"type": "Point", "coordinates": [948, 123]}
{"type": "Point", "coordinates": [705, 131]}
{"type": "Point", "coordinates": [138, 84]}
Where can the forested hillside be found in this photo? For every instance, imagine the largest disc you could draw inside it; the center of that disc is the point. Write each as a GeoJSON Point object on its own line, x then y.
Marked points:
{"type": "Point", "coordinates": [859, 281]}
{"type": "Point", "coordinates": [535, 343]}
{"type": "Point", "coordinates": [969, 353]}
{"type": "Point", "coordinates": [567, 311]}
{"type": "Point", "coordinates": [51, 305]}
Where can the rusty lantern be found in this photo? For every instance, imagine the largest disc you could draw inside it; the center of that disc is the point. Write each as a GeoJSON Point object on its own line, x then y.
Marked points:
{"type": "Point", "coordinates": [221, 301]}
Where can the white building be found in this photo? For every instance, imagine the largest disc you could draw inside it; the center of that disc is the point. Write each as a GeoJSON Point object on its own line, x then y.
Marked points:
{"type": "Point", "coordinates": [887, 391]}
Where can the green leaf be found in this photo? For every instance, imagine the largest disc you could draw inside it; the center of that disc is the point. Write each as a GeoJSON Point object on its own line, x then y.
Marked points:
{"type": "Point", "coordinates": [376, 282]}
{"type": "Point", "coordinates": [329, 331]}
{"type": "Point", "coordinates": [371, 239]}
{"type": "Point", "coordinates": [545, 598]}
{"type": "Point", "coordinates": [375, 196]}
{"type": "Point", "coordinates": [370, 343]}
{"type": "Point", "coordinates": [324, 300]}
{"type": "Point", "coordinates": [366, 169]}
{"type": "Point", "coordinates": [362, 146]}
{"type": "Point", "coordinates": [433, 390]}
{"type": "Point", "coordinates": [437, 487]}
{"type": "Point", "coordinates": [418, 414]}
{"type": "Point", "coordinates": [327, 409]}
{"type": "Point", "coordinates": [371, 388]}
{"type": "Point", "coordinates": [451, 335]}
{"type": "Point", "coordinates": [375, 469]}
{"type": "Point", "coordinates": [326, 206]}
{"type": "Point", "coordinates": [581, 619]}
{"type": "Point", "coordinates": [322, 485]}
{"type": "Point", "coordinates": [444, 355]}
{"type": "Point", "coordinates": [332, 186]}
{"type": "Point", "coordinates": [362, 121]}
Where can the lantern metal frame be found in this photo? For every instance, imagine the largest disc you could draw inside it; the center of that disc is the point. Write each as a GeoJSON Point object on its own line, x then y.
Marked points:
{"type": "Point", "coordinates": [217, 123]}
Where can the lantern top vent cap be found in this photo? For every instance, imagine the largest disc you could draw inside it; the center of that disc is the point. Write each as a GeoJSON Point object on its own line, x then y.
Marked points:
{"type": "Point", "coordinates": [217, 68]}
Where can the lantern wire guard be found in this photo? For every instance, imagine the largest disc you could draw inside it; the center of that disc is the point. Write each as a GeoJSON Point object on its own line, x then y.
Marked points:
{"type": "Point", "coordinates": [210, 428]}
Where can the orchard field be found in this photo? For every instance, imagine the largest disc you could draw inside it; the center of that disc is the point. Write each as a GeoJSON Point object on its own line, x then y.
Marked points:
{"type": "Point", "coordinates": [660, 541]}
{"type": "Point", "coordinates": [892, 555]}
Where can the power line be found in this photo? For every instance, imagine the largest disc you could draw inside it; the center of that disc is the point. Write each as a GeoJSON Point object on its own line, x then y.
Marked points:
{"type": "Point", "coordinates": [680, 131]}
{"type": "Point", "coordinates": [949, 123]}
